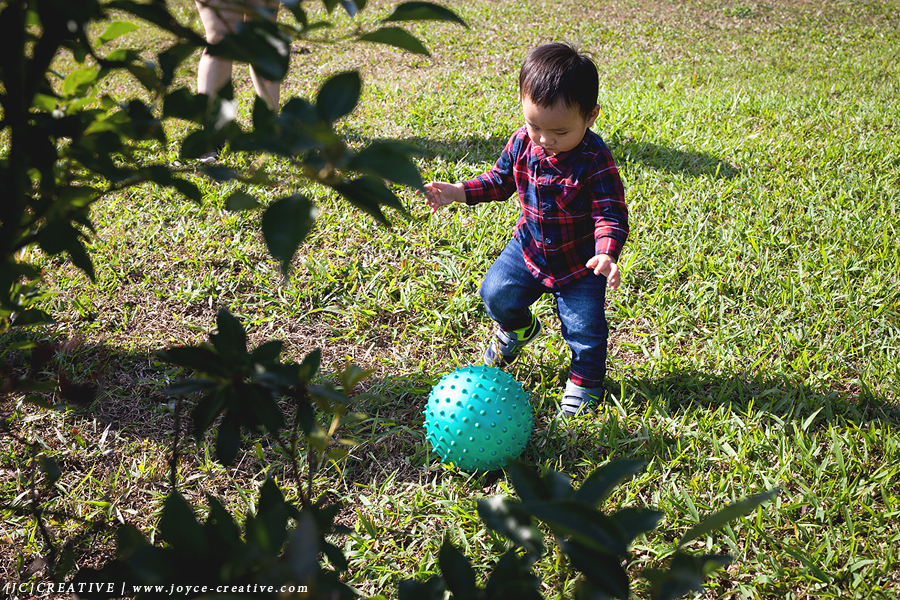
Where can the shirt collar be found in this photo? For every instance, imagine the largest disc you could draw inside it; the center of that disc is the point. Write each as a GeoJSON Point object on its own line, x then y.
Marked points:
{"type": "Point", "coordinates": [557, 161]}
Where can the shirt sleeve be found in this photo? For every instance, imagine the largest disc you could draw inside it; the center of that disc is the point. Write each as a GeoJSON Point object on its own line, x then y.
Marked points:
{"type": "Point", "coordinates": [499, 183]}
{"type": "Point", "coordinates": [608, 207]}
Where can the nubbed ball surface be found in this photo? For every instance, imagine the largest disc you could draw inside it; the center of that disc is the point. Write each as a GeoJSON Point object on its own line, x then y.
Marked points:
{"type": "Point", "coordinates": [478, 418]}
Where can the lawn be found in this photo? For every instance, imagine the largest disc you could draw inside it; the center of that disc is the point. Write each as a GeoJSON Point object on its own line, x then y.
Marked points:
{"type": "Point", "coordinates": [755, 338]}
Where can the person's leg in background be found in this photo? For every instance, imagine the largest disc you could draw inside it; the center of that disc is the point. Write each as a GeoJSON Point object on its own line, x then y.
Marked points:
{"type": "Point", "coordinates": [221, 17]}
{"type": "Point", "coordinates": [265, 89]}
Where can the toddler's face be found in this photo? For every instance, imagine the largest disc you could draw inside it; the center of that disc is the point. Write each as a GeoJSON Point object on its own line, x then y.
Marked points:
{"type": "Point", "coordinates": [558, 128]}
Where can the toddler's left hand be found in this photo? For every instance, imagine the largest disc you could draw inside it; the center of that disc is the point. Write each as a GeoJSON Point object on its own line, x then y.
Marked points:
{"type": "Point", "coordinates": [604, 264]}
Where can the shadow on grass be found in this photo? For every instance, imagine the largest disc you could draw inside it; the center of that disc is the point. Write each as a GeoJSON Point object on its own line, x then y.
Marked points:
{"type": "Point", "coordinates": [475, 150]}
{"type": "Point", "coordinates": [109, 402]}
{"type": "Point", "coordinates": [778, 401]}
{"type": "Point", "coordinates": [472, 149]}
{"type": "Point", "coordinates": [94, 381]}
{"type": "Point", "coordinates": [124, 391]}
{"type": "Point", "coordinates": [664, 158]}
{"type": "Point", "coordinates": [780, 395]}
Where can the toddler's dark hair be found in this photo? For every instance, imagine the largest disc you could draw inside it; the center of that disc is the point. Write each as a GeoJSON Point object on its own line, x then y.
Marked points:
{"type": "Point", "coordinates": [558, 71]}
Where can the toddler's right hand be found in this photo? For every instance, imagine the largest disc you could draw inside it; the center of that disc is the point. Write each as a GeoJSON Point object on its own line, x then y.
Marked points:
{"type": "Point", "coordinates": [439, 193]}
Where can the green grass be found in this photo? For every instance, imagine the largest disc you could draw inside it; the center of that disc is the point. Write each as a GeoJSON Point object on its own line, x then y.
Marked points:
{"type": "Point", "coordinates": [755, 337]}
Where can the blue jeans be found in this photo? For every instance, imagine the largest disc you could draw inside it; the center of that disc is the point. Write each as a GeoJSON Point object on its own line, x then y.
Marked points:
{"type": "Point", "coordinates": [509, 289]}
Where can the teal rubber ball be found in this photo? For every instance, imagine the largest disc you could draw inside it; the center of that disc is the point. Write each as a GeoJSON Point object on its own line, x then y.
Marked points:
{"type": "Point", "coordinates": [478, 418]}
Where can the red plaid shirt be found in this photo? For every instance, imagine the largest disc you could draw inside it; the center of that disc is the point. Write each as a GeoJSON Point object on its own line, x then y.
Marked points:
{"type": "Point", "coordinates": [573, 204]}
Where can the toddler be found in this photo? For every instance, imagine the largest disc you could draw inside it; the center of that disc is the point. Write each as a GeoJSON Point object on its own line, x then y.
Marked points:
{"type": "Point", "coordinates": [573, 224]}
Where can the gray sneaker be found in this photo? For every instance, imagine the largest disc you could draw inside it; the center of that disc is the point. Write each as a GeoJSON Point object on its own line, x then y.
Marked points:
{"type": "Point", "coordinates": [504, 348]}
{"type": "Point", "coordinates": [577, 400]}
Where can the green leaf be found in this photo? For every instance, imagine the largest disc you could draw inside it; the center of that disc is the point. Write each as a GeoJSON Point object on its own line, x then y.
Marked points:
{"type": "Point", "coordinates": [179, 528]}
{"type": "Point", "coordinates": [220, 173]}
{"type": "Point", "coordinates": [147, 76]}
{"type": "Point", "coordinates": [272, 514]}
{"type": "Point", "coordinates": [41, 402]}
{"type": "Point", "coordinates": [636, 521]}
{"type": "Point", "coordinates": [44, 102]}
{"type": "Point", "coordinates": [265, 121]}
{"type": "Point", "coordinates": [220, 527]}
{"type": "Point", "coordinates": [268, 352]}
{"type": "Point", "coordinates": [603, 570]}
{"type": "Point", "coordinates": [202, 359]}
{"type": "Point", "coordinates": [115, 30]}
{"type": "Point", "coordinates": [731, 512]}
{"type": "Point", "coordinates": [327, 392]}
{"type": "Point", "coordinates": [424, 11]}
{"type": "Point", "coordinates": [78, 79]}
{"type": "Point", "coordinates": [431, 589]}
{"type": "Point", "coordinates": [123, 57]}
{"type": "Point", "coordinates": [388, 160]}
{"type": "Point", "coordinates": [57, 236]}
{"type": "Point", "coordinates": [230, 339]}
{"type": "Point", "coordinates": [260, 43]}
{"type": "Point", "coordinates": [187, 189]}
{"type": "Point", "coordinates": [238, 201]}
{"type": "Point", "coordinates": [128, 539]}
{"type": "Point", "coordinates": [397, 37]}
{"type": "Point", "coordinates": [586, 590]}
{"type": "Point", "coordinates": [302, 552]}
{"type": "Point", "coordinates": [78, 196]}
{"type": "Point", "coordinates": [171, 58]}
{"type": "Point", "coordinates": [335, 557]}
{"type": "Point", "coordinates": [686, 573]}
{"type": "Point", "coordinates": [30, 385]}
{"type": "Point", "coordinates": [299, 112]}
{"type": "Point", "coordinates": [457, 571]}
{"type": "Point", "coordinates": [188, 386]}
{"type": "Point", "coordinates": [285, 224]}
{"type": "Point", "coordinates": [22, 345]}
{"type": "Point", "coordinates": [353, 375]}
{"type": "Point", "coordinates": [310, 365]}
{"type": "Point", "coordinates": [507, 518]}
{"type": "Point", "coordinates": [559, 484]}
{"type": "Point", "coordinates": [369, 195]}
{"type": "Point", "coordinates": [338, 96]}
{"type": "Point", "coordinates": [228, 440]}
{"type": "Point", "coordinates": [183, 104]}
{"type": "Point", "coordinates": [158, 14]}
{"type": "Point", "coordinates": [528, 483]}
{"type": "Point", "coordinates": [207, 410]}
{"type": "Point", "coordinates": [512, 578]}
{"type": "Point", "coordinates": [266, 411]}
{"type": "Point", "coordinates": [196, 144]}
{"type": "Point", "coordinates": [600, 483]}
{"type": "Point", "coordinates": [306, 416]}
{"type": "Point", "coordinates": [80, 258]}
{"type": "Point", "coordinates": [162, 175]}
{"type": "Point", "coordinates": [51, 470]}
{"type": "Point", "coordinates": [31, 317]}
{"type": "Point", "coordinates": [276, 376]}
{"type": "Point", "coordinates": [582, 522]}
